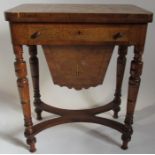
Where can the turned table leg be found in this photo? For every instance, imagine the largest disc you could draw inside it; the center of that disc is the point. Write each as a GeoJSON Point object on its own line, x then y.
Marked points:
{"type": "Point", "coordinates": [34, 65]}
{"type": "Point", "coordinates": [134, 83]}
{"type": "Point", "coordinates": [23, 86]}
{"type": "Point", "coordinates": [121, 63]}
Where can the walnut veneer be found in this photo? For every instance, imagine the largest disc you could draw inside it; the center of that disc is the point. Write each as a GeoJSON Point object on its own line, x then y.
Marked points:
{"type": "Point", "coordinates": [78, 42]}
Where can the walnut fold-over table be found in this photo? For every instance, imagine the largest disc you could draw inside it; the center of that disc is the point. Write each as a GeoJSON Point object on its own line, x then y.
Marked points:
{"type": "Point", "coordinates": [78, 42]}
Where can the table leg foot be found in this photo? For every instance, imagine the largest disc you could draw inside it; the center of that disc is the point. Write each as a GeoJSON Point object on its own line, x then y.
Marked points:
{"type": "Point", "coordinates": [38, 113]}
{"type": "Point", "coordinates": [31, 143]}
{"type": "Point", "coordinates": [125, 142]}
{"type": "Point", "coordinates": [116, 108]}
{"type": "Point", "coordinates": [124, 145]}
{"type": "Point", "coordinates": [127, 133]}
{"type": "Point", "coordinates": [31, 140]}
{"type": "Point", "coordinates": [32, 148]}
{"type": "Point", "coordinates": [115, 115]}
{"type": "Point", "coordinates": [38, 110]}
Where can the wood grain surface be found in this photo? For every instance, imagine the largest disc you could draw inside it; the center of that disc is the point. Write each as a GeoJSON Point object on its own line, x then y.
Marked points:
{"type": "Point", "coordinates": [73, 13]}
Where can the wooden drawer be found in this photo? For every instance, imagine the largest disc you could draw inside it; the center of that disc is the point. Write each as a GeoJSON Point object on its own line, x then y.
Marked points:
{"type": "Point", "coordinates": [56, 34]}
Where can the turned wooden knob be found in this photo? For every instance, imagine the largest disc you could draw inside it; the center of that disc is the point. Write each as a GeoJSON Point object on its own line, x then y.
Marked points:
{"type": "Point", "coordinates": [118, 35]}
{"type": "Point", "coordinates": [35, 35]}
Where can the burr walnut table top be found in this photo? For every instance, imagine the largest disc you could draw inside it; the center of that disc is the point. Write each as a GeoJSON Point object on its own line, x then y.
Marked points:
{"type": "Point", "coordinates": [75, 13]}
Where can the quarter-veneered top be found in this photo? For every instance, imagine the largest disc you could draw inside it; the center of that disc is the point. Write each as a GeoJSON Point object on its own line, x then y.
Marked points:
{"type": "Point", "coordinates": [78, 13]}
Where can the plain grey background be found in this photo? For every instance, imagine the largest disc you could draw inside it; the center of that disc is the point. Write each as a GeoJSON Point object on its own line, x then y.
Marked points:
{"type": "Point", "coordinates": [76, 138]}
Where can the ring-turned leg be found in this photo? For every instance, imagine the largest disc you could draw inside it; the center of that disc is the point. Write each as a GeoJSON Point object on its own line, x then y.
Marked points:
{"type": "Point", "coordinates": [134, 83]}
{"type": "Point", "coordinates": [121, 63]}
{"type": "Point", "coordinates": [22, 83]}
{"type": "Point", "coordinates": [34, 65]}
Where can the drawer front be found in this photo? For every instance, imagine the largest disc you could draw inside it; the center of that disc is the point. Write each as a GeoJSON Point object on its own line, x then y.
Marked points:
{"type": "Point", "coordinates": [57, 34]}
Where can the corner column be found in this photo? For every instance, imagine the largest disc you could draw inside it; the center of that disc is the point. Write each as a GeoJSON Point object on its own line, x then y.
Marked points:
{"type": "Point", "coordinates": [134, 83]}
{"type": "Point", "coordinates": [23, 87]}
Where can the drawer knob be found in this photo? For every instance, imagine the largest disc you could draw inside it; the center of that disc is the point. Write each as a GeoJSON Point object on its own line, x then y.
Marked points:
{"type": "Point", "coordinates": [35, 35]}
{"type": "Point", "coordinates": [118, 35]}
